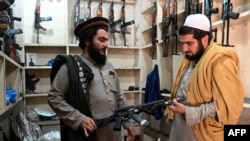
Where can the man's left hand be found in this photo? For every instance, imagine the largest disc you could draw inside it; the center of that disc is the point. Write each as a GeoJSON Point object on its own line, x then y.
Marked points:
{"type": "Point", "coordinates": [131, 134]}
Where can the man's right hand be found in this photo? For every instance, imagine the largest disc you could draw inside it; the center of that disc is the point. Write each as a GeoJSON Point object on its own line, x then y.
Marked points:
{"type": "Point", "coordinates": [88, 125]}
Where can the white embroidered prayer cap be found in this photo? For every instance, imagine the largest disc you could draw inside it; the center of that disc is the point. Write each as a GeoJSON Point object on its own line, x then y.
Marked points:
{"type": "Point", "coordinates": [198, 21]}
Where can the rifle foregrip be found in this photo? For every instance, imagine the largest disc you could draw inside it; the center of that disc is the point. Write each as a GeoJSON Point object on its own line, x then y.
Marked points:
{"type": "Point", "coordinates": [233, 15]}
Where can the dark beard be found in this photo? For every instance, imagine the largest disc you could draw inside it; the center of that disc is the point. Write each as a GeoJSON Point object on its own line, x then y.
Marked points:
{"type": "Point", "coordinates": [198, 54]}
{"type": "Point", "coordinates": [96, 56]}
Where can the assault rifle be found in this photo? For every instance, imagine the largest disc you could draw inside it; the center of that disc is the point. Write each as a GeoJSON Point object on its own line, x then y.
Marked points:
{"type": "Point", "coordinates": [99, 11]}
{"type": "Point", "coordinates": [174, 29]}
{"type": "Point", "coordinates": [132, 112]}
{"type": "Point", "coordinates": [209, 10]}
{"type": "Point", "coordinates": [191, 7]}
{"type": "Point", "coordinates": [39, 19]}
{"type": "Point", "coordinates": [124, 24]}
{"type": "Point", "coordinates": [227, 14]}
{"type": "Point", "coordinates": [154, 31]}
{"type": "Point", "coordinates": [78, 20]}
{"type": "Point", "coordinates": [166, 21]}
{"type": "Point", "coordinates": [88, 14]}
{"type": "Point", "coordinates": [112, 22]}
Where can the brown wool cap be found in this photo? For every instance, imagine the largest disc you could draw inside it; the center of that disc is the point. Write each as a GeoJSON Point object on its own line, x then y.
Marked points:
{"type": "Point", "coordinates": [96, 21]}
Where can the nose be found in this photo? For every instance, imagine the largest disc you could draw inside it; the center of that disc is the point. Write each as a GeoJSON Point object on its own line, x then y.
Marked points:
{"type": "Point", "coordinates": [106, 44]}
{"type": "Point", "coordinates": [184, 47]}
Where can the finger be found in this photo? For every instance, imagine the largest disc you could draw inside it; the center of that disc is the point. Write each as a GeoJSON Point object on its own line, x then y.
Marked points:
{"type": "Point", "coordinates": [86, 132]}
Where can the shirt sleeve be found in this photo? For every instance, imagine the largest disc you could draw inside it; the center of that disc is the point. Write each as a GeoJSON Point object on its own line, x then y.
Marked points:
{"type": "Point", "coordinates": [56, 99]}
{"type": "Point", "coordinates": [194, 115]}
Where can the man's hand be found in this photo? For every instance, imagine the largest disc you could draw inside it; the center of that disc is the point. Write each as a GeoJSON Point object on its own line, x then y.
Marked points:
{"type": "Point", "coordinates": [88, 125]}
{"type": "Point", "coordinates": [131, 134]}
{"type": "Point", "coordinates": [177, 107]}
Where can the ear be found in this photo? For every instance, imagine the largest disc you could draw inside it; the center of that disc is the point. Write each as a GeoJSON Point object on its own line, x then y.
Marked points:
{"type": "Point", "coordinates": [87, 42]}
{"type": "Point", "coordinates": [205, 40]}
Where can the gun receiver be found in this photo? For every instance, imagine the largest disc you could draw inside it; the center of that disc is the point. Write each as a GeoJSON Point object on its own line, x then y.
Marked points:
{"type": "Point", "coordinates": [166, 21]}
{"type": "Point", "coordinates": [209, 10]}
{"type": "Point", "coordinates": [124, 24]}
{"type": "Point", "coordinates": [132, 112]}
{"type": "Point", "coordinates": [227, 14]}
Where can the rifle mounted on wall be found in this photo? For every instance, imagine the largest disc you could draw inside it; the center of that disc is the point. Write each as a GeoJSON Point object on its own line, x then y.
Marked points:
{"type": "Point", "coordinates": [191, 7]}
{"type": "Point", "coordinates": [227, 14]}
{"type": "Point", "coordinates": [77, 18]}
{"type": "Point", "coordinates": [209, 10]}
{"type": "Point", "coordinates": [88, 13]}
{"type": "Point", "coordinates": [174, 29]}
{"type": "Point", "coordinates": [124, 24]}
{"type": "Point", "coordinates": [112, 22]}
{"type": "Point", "coordinates": [154, 31]}
{"type": "Point", "coordinates": [10, 46]}
{"type": "Point", "coordinates": [166, 21]}
{"type": "Point", "coordinates": [39, 19]}
{"type": "Point", "coordinates": [99, 11]}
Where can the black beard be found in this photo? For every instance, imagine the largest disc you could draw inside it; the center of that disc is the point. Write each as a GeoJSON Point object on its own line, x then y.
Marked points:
{"type": "Point", "coordinates": [198, 54]}
{"type": "Point", "coordinates": [96, 56]}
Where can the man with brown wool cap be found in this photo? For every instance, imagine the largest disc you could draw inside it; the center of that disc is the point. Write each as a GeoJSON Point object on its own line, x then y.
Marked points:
{"type": "Point", "coordinates": [86, 87]}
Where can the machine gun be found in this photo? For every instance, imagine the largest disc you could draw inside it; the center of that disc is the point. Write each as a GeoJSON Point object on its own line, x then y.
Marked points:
{"type": "Point", "coordinates": [227, 14]}
{"type": "Point", "coordinates": [209, 10]}
{"type": "Point", "coordinates": [112, 22]}
{"type": "Point", "coordinates": [191, 7]}
{"type": "Point", "coordinates": [174, 29]}
{"type": "Point", "coordinates": [154, 31]}
{"type": "Point", "coordinates": [124, 24]}
{"type": "Point", "coordinates": [39, 19]}
{"type": "Point", "coordinates": [166, 21]}
{"type": "Point", "coordinates": [88, 13]}
{"type": "Point", "coordinates": [99, 11]}
{"type": "Point", "coordinates": [132, 112]}
{"type": "Point", "coordinates": [77, 18]}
